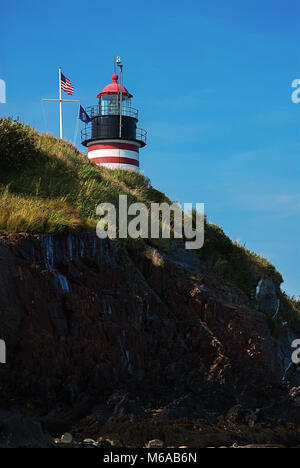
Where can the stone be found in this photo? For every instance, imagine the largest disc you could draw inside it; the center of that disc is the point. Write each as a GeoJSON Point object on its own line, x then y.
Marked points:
{"type": "Point", "coordinates": [89, 441]}
{"type": "Point", "coordinates": [155, 443]}
{"type": "Point", "coordinates": [104, 443]}
{"type": "Point", "coordinates": [66, 438]}
{"type": "Point", "coordinates": [111, 442]}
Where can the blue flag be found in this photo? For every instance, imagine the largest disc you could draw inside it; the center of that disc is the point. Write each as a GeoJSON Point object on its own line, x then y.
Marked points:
{"type": "Point", "coordinates": [84, 116]}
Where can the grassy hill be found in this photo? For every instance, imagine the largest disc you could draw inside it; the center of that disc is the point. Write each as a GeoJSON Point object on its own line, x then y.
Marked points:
{"type": "Point", "coordinates": [48, 186]}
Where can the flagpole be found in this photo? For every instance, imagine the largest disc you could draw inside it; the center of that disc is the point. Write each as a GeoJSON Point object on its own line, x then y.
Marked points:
{"type": "Point", "coordinates": [60, 105]}
{"type": "Point", "coordinates": [61, 100]}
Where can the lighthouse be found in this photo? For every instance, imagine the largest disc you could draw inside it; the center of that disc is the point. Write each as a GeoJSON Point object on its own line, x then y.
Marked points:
{"type": "Point", "coordinates": [112, 136]}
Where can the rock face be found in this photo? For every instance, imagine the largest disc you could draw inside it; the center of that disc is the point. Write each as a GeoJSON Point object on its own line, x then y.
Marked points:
{"type": "Point", "coordinates": [84, 317]}
{"type": "Point", "coordinates": [266, 296]}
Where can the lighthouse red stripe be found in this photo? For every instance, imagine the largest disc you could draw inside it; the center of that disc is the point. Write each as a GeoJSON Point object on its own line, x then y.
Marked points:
{"type": "Point", "coordinates": [116, 160]}
{"type": "Point", "coordinates": [125, 146]}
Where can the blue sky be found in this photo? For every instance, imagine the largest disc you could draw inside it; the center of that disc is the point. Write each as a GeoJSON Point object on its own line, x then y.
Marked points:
{"type": "Point", "coordinates": [212, 80]}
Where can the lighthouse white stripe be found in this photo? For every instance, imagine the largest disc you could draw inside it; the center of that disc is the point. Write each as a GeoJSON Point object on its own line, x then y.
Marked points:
{"type": "Point", "coordinates": [120, 166]}
{"type": "Point", "coordinates": [118, 153]}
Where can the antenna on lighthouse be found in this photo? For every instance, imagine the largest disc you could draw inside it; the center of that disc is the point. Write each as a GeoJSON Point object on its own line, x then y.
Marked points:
{"type": "Point", "coordinates": [119, 64]}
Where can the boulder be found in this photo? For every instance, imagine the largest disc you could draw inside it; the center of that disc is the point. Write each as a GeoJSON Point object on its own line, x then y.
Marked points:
{"type": "Point", "coordinates": [66, 438]}
{"type": "Point", "coordinates": [155, 443]}
{"type": "Point", "coordinates": [105, 443]}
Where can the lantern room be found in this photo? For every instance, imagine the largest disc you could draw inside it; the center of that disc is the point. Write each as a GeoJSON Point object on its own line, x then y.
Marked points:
{"type": "Point", "coordinates": [112, 136]}
{"type": "Point", "coordinates": [110, 96]}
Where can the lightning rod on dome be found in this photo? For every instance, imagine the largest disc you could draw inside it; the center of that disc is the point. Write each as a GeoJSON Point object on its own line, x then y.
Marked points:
{"type": "Point", "coordinates": [119, 64]}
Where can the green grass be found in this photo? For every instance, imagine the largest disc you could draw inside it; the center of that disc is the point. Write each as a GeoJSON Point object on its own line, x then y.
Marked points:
{"type": "Point", "coordinates": [52, 170]}
{"type": "Point", "coordinates": [234, 262]}
{"type": "Point", "coordinates": [47, 186]}
{"type": "Point", "coordinates": [30, 214]}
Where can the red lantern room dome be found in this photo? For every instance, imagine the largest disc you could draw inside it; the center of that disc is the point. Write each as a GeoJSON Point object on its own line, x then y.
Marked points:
{"type": "Point", "coordinates": [114, 88]}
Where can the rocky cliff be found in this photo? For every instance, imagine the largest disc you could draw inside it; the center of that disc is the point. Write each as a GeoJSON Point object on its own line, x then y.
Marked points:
{"type": "Point", "coordinates": [134, 333]}
{"type": "Point", "coordinates": [106, 337]}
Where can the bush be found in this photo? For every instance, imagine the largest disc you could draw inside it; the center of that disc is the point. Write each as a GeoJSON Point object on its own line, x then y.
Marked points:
{"type": "Point", "coordinates": [17, 144]}
{"type": "Point", "coordinates": [235, 263]}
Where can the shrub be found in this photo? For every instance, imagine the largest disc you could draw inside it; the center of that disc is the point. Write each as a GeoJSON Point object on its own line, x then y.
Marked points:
{"type": "Point", "coordinates": [235, 263]}
{"type": "Point", "coordinates": [17, 144]}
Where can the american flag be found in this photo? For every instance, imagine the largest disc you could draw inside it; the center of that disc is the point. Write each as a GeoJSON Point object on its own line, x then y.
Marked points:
{"type": "Point", "coordinates": [66, 85]}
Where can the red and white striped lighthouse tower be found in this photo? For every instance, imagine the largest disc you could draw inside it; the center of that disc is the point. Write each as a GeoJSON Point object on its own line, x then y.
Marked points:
{"type": "Point", "coordinates": [112, 136]}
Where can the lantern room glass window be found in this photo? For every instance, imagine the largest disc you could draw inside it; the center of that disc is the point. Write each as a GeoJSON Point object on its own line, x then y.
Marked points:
{"type": "Point", "coordinates": [110, 104]}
